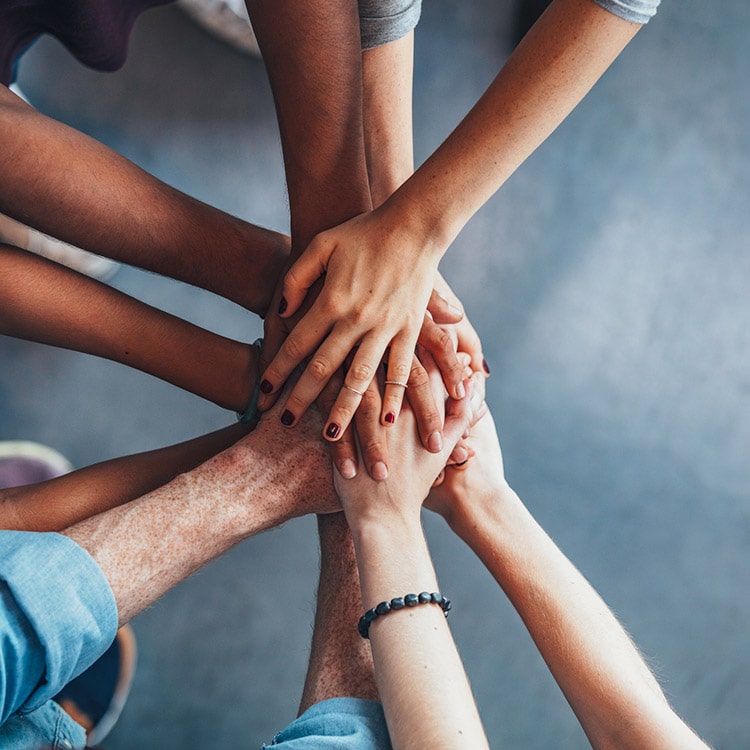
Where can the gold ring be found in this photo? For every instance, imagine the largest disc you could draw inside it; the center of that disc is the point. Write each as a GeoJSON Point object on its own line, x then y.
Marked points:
{"type": "Point", "coordinates": [396, 382]}
{"type": "Point", "coordinates": [354, 390]}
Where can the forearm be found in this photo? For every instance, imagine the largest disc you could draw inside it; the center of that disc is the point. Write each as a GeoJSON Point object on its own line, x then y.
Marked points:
{"type": "Point", "coordinates": [59, 503]}
{"type": "Point", "coordinates": [604, 678]}
{"type": "Point", "coordinates": [421, 680]}
{"type": "Point", "coordinates": [387, 75]}
{"type": "Point", "coordinates": [553, 68]}
{"type": "Point", "coordinates": [312, 54]}
{"type": "Point", "coordinates": [44, 302]}
{"type": "Point", "coordinates": [52, 173]}
{"type": "Point", "coordinates": [148, 545]}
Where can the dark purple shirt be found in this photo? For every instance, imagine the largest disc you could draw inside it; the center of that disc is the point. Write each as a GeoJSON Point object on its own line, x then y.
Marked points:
{"type": "Point", "coordinates": [97, 32]}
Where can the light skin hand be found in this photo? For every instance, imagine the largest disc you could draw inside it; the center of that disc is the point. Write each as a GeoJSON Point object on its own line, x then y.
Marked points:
{"type": "Point", "coordinates": [367, 303]}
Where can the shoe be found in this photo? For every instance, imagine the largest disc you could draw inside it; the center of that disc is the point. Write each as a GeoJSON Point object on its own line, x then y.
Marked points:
{"type": "Point", "coordinates": [15, 233]}
{"type": "Point", "coordinates": [24, 462]}
{"type": "Point", "coordinates": [225, 19]}
{"type": "Point", "coordinates": [96, 697]}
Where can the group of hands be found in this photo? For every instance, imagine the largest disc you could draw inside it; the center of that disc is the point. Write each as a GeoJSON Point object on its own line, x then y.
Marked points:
{"type": "Point", "coordinates": [364, 331]}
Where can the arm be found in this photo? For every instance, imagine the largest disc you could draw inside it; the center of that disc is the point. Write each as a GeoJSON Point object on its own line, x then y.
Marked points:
{"type": "Point", "coordinates": [422, 684]}
{"type": "Point", "coordinates": [52, 172]}
{"type": "Point", "coordinates": [150, 544]}
{"type": "Point", "coordinates": [380, 266]}
{"type": "Point", "coordinates": [61, 596]}
{"type": "Point", "coordinates": [48, 303]}
{"type": "Point", "coordinates": [58, 503]}
{"type": "Point", "coordinates": [601, 673]}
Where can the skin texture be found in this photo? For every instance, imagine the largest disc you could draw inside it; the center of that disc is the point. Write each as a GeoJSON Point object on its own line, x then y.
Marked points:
{"type": "Point", "coordinates": [603, 676]}
{"type": "Point", "coordinates": [429, 703]}
{"type": "Point", "coordinates": [379, 267]}
{"type": "Point", "coordinates": [148, 545]}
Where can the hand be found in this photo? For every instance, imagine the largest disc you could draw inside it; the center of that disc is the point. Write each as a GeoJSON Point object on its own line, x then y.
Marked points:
{"type": "Point", "coordinates": [374, 298]}
{"type": "Point", "coordinates": [465, 489]}
{"type": "Point", "coordinates": [413, 469]}
{"type": "Point", "coordinates": [301, 463]}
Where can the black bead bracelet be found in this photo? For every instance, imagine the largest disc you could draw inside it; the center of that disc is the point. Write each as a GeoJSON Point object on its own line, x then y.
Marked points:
{"type": "Point", "coordinates": [400, 602]}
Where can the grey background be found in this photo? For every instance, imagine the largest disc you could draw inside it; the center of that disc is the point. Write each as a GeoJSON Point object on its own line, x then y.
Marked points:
{"type": "Point", "coordinates": [608, 280]}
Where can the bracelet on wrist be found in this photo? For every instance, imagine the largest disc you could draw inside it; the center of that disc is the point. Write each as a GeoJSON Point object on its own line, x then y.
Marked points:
{"type": "Point", "coordinates": [401, 602]}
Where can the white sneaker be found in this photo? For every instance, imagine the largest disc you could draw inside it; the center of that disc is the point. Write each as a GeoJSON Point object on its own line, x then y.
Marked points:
{"type": "Point", "coordinates": [15, 233]}
{"type": "Point", "coordinates": [226, 19]}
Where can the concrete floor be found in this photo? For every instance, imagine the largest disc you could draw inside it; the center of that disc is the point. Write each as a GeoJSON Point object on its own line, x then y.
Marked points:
{"type": "Point", "coordinates": [609, 282]}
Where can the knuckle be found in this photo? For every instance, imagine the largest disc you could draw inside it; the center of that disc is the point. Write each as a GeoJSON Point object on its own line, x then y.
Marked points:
{"type": "Point", "coordinates": [362, 372]}
{"type": "Point", "coordinates": [292, 349]}
{"type": "Point", "coordinates": [418, 377]}
{"type": "Point", "coordinates": [402, 372]}
{"type": "Point", "coordinates": [319, 370]}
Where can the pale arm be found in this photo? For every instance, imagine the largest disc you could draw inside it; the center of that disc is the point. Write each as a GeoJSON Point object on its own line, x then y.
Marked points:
{"type": "Point", "coordinates": [150, 544]}
{"type": "Point", "coordinates": [380, 266]}
{"type": "Point", "coordinates": [601, 673]}
{"type": "Point", "coordinates": [421, 680]}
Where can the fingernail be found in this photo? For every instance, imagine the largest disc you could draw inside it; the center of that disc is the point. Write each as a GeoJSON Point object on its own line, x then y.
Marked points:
{"type": "Point", "coordinates": [460, 455]}
{"type": "Point", "coordinates": [379, 471]}
{"type": "Point", "coordinates": [348, 469]}
{"type": "Point", "coordinates": [332, 431]}
{"type": "Point", "coordinates": [460, 391]}
{"type": "Point", "coordinates": [486, 366]}
{"type": "Point", "coordinates": [266, 386]}
{"type": "Point", "coordinates": [287, 418]}
{"type": "Point", "coordinates": [282, 305]}
{"type": "Point", "coordinates": [390, 417]}
{"type": "Point", "coordinates": [435, 442]}
{"type": "Point", "coordinates": [455, 310]}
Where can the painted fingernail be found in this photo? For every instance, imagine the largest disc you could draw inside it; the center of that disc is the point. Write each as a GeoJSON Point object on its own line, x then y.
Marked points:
{"type": "Point", "coordinates": [266, 386]}
{"type": "Point", "coordinates": [390, 417]}
{"type": "Point", "coordinates": [486, 366]}
{"type": "Point", "coordinates": [348, 469]}
{"type": "Point", "coordinates": [287, 418]}
{"type": "Point", "coordinates": [435, 442]}
{"type": "Point", "coordinates": [460, 391]}
{"type": "Point", "coordinates": [379, 471]}
{"type": "Point", "coordinates": [332, 431]}
{"type": "Point", "coordinates": [283, 304]}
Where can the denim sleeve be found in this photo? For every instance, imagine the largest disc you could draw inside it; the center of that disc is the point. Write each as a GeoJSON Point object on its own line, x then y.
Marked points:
{"type": "Point", "coordinates": [637, 11]}
{"type": "Point", "coordinates": [57, 616]}
{"type": "Point", "coordinates": [383, 21]}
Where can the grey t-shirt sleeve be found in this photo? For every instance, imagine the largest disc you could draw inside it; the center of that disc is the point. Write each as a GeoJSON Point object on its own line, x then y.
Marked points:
{"type": "Point", "coordinates": [637, 11]}
{"type": "Point", "coordinates": [383, 21]}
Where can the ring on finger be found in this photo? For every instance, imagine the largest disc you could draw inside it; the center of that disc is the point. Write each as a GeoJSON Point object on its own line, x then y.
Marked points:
{"type": "Point", "coordinates": [396, 382]}
{"type": "Point", "coordinates": [354, 390]}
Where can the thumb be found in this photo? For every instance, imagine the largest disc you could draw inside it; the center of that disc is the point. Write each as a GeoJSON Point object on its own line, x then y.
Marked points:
{"type": "Point", "coordinates": [304, 272]}
{"type": "Point", "coordinates": [442, 311]}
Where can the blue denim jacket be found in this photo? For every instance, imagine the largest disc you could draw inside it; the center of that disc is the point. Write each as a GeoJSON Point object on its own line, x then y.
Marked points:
{"type": "Point", "coordinates": [57, 616]}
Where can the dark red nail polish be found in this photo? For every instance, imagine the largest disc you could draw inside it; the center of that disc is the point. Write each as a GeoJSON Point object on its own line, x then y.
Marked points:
{"type": "Point", "coordinates": [265, 386]}
{"type": "Point", "coordinates": [287, 418]}
{"type": "Point", "coordinates": [390, 417]}
{"type": "Point", "coordinates": [486, 366]}
{"type": "Point", "coordinates": [282, 306]}
{"type": "Point", "coordinates": [332, 431]}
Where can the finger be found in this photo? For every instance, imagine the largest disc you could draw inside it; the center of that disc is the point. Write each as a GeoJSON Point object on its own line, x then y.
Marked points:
{"type": "Point", "coordinates": [274, 333]}
{"type": "Point", "coordinates": [441, 346]}
{"type": "Point", "coordinates": [426, 411]}
{"type": "Point", "coordinates": [469, 342]}
{"type": "Point", "coordinates": [303, 273]}
{"type": "Point", "coordinates": [344, 451]}
{"type": "Point", "coordinates": [371, 433]}
{"type": "Point", "coordinates": [322, 365]}
{"type": "Point", "coordinates": [439, 479]}
{"type": "Point", "coordinates": [359, 376]}
{"type": "Point", "coordinates": [303, 340]}
{"type": "Point", "coordinates": [398, 373]}
{"type": "Point", "coordinates": [442, 310]}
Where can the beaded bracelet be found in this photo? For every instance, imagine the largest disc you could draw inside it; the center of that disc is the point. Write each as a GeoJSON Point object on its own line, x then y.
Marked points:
{"type": "Point", "coordinates": [410, 600]}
